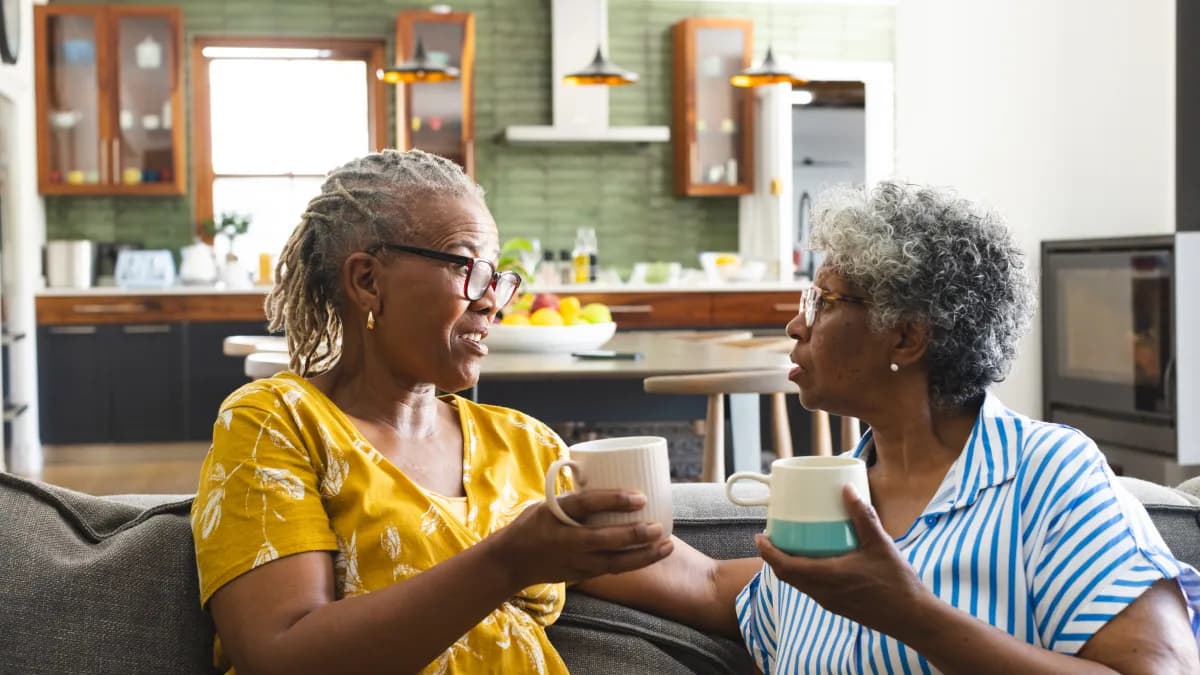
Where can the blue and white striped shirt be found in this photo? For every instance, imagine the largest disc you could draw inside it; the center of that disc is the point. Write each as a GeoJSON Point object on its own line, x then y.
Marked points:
{"type": "Point", "coordinates": [1029, 531]}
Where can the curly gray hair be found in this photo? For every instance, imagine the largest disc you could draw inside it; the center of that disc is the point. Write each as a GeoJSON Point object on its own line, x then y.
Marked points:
{"type": "Point", "coordinates": [926, 255]}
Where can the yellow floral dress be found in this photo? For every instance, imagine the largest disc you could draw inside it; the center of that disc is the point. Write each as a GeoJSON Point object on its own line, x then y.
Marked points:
{"type": "Point", "coordinates": [288, 473]}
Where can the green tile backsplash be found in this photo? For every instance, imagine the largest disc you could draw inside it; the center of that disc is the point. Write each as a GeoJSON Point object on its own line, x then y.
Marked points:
{"type": "Point", "coordinates": [623, 190]}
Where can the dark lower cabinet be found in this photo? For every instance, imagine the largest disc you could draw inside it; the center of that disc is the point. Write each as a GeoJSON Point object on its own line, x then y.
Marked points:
{"type": "Point", "coordinates": [209, 374]}
{"type": "Point", "coordinates": [128, 383]}
{"type": "Point", "coordinates": [73, 384]}
{"type": "Point", "coordinates": [145, 381]}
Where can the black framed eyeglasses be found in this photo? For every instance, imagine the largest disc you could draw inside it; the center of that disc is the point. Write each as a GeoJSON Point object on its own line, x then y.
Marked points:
{"type": "Point", "coordinates": [812, 297]}
{"type": "Point", "coordinates": [481, 273]}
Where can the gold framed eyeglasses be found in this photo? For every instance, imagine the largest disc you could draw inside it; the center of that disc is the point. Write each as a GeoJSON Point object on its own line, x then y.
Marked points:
{"type": "Point", "coordinates": [813, 298]}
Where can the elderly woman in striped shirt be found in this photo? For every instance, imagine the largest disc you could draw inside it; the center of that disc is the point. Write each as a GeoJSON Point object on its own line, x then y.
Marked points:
{"type": "Point", "coordinates": [994, 543]}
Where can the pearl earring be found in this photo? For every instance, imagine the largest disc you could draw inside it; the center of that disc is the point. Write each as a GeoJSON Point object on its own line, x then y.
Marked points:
{"type": "Point", "coordinates": [895, 368]}
{"type": "Point", "coordinates": [370, 320]}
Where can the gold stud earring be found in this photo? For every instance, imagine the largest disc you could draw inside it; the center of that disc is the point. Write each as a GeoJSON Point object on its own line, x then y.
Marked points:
{"type": "Point", "coordinates": [370, 320]}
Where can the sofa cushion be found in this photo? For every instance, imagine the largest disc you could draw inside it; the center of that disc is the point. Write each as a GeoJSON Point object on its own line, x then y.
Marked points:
{"type": "Point", "coordinates": [1153, 493]}
{"type": "Point", "coordinates": [91, 585]}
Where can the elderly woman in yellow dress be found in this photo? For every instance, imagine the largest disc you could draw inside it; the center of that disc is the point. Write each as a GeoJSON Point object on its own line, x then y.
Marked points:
{"type": "Point", "coordinates": [349, 519]}
{"type": "Point", "coordinates": [993, 543]}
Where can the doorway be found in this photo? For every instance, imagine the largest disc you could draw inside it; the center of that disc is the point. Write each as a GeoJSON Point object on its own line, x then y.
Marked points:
{"type": "Point", "coordinates": [829, 146]}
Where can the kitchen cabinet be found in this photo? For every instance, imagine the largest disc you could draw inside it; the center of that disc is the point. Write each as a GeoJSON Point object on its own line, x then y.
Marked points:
{"type": "Point", "coordinates": [72, 381]}
{"type": "Point", "coordinates": [210, 375]}
{"type": "Point", "coordinates": [109, 99]}
{"type": "Point", "coordinates": [135, 382]}
{"type": "Point", "coordinates": [755, 310]}
{"type": "Point", "coordinates": [145, 381]}
{"type": "Point", "coordinates": [110, 383]}
{"type": "Point", "coordinates": [713, 121]}
{"type": "Point", "coordinates": [438, 117]}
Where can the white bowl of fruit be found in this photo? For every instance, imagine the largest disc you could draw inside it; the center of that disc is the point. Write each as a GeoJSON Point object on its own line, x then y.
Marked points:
{"type": "Point", "coordinates": [547, 324]}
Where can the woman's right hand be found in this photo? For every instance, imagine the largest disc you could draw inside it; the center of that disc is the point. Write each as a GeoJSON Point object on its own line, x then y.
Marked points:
{"type": "Point", "coordinates": [539, 548]}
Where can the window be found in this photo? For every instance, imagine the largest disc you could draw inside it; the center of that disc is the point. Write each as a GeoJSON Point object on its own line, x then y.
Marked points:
{"type": "Point", "coordinates": [272, 117]}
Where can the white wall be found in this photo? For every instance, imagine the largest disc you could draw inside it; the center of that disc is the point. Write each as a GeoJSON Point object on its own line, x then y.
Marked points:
{"type": "Point", "coordinates": [23, 236]}
{"type": "Point", "coordinates": [1059, 115]}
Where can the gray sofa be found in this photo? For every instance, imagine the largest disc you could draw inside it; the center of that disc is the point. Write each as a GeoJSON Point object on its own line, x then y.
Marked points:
{"type": "Point", "coordinates": [108, 585]}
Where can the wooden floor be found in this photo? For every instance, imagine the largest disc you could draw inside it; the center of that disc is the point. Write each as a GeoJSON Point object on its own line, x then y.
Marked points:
{"type": "Point", "coordinates": [136, 468]}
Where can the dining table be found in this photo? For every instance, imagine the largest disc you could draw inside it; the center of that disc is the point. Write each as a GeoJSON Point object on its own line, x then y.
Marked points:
{"type": "Point", "coordinates": [565, 387]}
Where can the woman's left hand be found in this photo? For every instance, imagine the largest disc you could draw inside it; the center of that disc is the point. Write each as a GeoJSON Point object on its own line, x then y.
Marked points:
{"type": "Point", "coordinates": [872, 585]}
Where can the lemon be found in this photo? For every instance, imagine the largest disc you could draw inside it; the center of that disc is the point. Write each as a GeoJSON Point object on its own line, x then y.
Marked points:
{"type": "Point", "coordinates": [569, 304]}
{"type": "Point", "coordinates": [546, 317]}
{"type": "Point", "coordinates": [725, 259]}
{"type": "Point", "coordinates": [518, 319]}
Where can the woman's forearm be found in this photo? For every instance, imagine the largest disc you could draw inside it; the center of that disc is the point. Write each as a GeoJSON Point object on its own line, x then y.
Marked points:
{"type": "Point", "coordinates": [405, 626]}
{"type": "Point", "coordinates": [956, 642]}
{"type": "Point", "coordinates": [687, 586]}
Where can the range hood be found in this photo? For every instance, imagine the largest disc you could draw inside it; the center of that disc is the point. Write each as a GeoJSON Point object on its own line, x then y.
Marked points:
{"type": "Point", "coordinates": [580, 112]}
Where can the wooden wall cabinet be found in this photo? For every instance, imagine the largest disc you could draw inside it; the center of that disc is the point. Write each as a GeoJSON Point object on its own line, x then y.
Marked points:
{"type": "Point", "coordinates": [110, 112]}
{"type": "Point", "coordinates": [713, 121]}
{"type": "Point", "coordinates": [438, 117]}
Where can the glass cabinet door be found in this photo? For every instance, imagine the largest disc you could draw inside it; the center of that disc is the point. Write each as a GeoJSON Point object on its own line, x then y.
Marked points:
{"type": "Point", "coordinates": [108, 99]}
{"type": "Point", "coordinates": [437, 115]}
{"type": "Point", "coordinates": [143, 149]}
{"type": "Point", "coordinates": [717, 154]}
{"type": "Point", "coordinates": [712, 120]}
{"type": "Point", "coordinates": [73, 150]}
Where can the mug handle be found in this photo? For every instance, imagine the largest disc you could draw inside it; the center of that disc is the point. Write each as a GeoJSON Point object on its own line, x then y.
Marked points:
{"type": "Point", "coordinates": [747, 475]}
{"type": "Point", "coordinates": [551, 494]}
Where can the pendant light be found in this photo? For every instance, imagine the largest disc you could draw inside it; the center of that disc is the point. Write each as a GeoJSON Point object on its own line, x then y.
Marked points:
{"type": "Point", "coordinates": [418, 69]}
{"type": "Point", "coordinates": [601, 71]}
{"type": "Point", "coordinates": [767, 72]}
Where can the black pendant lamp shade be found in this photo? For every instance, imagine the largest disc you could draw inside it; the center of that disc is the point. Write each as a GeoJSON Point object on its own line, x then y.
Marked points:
{"type": "Point", "coordinates": [418, 69]}
{"type": "Point", "coordinates": [768, 72]}
{"type": "Point", "coordinates": [603, 72]}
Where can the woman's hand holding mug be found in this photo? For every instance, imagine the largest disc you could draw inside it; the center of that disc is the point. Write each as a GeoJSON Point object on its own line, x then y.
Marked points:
{"type": "Point", "coordinates": [619, 519]}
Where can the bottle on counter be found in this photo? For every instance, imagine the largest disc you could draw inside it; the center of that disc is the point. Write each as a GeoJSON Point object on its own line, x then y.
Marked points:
{"type": "Point", "coordinates": [583, 255]}
{"type": "Point", "coordinates": [548, 273]}
{"type": "Point", "coordinates": [565, 271]}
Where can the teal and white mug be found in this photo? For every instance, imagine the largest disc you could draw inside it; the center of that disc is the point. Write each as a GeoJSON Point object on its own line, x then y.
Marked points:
{"type": "Point", "coordinates": [806, 514]}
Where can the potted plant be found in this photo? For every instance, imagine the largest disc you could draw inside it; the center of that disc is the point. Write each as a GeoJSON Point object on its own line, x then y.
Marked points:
{"type": "Point", "coordinates": [230, 225]}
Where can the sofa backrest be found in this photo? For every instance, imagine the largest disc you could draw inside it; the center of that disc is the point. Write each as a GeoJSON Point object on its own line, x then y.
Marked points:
{"type": "Point", "coordinates": [91, 585]}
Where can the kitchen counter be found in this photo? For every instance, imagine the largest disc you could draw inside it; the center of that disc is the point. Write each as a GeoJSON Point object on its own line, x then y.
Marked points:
{"type": "Point", "coordinates": [766, 305]}
{"type": "Point", "coordinates": [101, 291]}
{"type": "Point", "coordinates": [730, 287]}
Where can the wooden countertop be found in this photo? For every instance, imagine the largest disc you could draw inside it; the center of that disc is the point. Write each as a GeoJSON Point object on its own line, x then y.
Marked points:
{"type": "Point", "coordinates": [632, 307]}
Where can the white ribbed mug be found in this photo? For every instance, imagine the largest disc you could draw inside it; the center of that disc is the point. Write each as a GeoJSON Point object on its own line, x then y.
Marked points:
{"type": "Point", "coordinates": [630, 463]}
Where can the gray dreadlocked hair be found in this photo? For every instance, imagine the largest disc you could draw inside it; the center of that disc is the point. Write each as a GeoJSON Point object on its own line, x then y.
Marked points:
{"type": "Point", "coordinates": [367, 201]}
